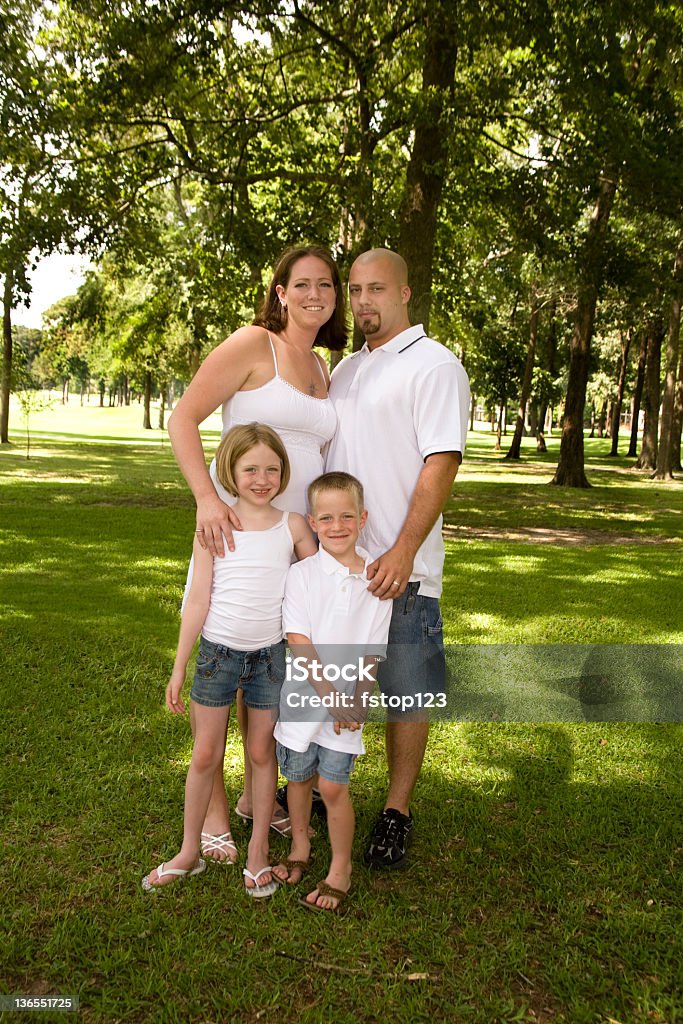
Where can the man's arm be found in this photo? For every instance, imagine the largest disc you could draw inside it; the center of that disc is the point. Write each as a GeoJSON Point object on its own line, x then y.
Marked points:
{"type": "Point", "coordinates": [431, 493]}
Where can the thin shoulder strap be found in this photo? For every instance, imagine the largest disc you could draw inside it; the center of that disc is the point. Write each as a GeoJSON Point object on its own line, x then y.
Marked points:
{"type": "Point", "coordinates": [288, 530]}
{"type": "Point", "coordinates": [272, 349]}
{"type": "Point", "coordinates": [322, 372]}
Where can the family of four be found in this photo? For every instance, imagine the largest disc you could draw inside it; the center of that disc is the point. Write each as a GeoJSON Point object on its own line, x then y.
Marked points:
{"type": "Point", "coordinates": [392, 422]}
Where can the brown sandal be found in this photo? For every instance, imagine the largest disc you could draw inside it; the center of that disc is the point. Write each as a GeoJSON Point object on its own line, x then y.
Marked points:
{"type": "Point", "coordinates": [304, 866]}
{"type": "Point", "coordinates": [327, 890]}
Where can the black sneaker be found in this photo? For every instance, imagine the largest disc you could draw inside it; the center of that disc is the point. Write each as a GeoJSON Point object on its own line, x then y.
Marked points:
{"type": "Point", "coordinates": [390, 839]}
{"type": "Point", "coordinates": [281, 798]}
{"type": "Point", "coordinates": [317, 804]}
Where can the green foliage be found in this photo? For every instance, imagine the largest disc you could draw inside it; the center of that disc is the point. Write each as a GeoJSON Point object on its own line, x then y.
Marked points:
{"type": "Point", "coordinates": [31, 399]}
{"type": "Point", "coordinates": [201, 139]}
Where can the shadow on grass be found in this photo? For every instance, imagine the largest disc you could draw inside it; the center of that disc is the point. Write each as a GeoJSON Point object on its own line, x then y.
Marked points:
{"type": "Point", "coordinates": [543, 874]}
{"type": "Point", "coordinates": [496, 592]}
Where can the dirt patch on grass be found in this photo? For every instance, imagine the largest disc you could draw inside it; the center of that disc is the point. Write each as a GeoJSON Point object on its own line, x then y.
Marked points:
{"type": "Point", "coordinates": [567, 537]}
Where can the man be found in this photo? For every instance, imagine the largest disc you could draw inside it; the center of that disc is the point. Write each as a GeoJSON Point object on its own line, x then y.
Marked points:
{"type": "Point", "coordinates": [403, 408]}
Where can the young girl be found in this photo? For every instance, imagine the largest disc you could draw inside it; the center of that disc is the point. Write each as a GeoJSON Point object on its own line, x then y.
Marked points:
{"type": "Point", "coordinates": [236, 604]}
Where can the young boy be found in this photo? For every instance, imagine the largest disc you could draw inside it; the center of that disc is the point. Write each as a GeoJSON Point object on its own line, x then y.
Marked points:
{"type": "Point", "coordinates": [336, 630]}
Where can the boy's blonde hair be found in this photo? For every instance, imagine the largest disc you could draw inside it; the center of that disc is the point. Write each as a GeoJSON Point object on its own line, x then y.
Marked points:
{"type": "Point", "coordinates": [337, 481]}
{"type": "Point", "coordinates": [241, 439]}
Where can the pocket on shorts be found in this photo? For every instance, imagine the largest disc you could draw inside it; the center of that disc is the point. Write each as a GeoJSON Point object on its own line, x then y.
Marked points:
{"type": "Point", "coordinates": [207, 663]}
{"type": "Point", "coordinates": [275, 666]}
{"type": "Point", "coordinates": [433, 620]}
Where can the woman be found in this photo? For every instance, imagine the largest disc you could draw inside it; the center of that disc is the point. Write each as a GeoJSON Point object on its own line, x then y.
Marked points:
{"type": "Point", "coordinates": [269, 373]}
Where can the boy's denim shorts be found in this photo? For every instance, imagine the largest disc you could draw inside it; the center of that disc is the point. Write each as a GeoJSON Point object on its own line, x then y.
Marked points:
{"type": "Point", "coordinates": [298, 766]}
{"type": "Point", "coordinates": [416, 663]}
{"type": "Point", "coordinates": [221, 671]}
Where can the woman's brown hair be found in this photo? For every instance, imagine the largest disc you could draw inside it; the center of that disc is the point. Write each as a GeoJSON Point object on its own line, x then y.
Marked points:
{"type": "Point", "coordinates": [273, 316]}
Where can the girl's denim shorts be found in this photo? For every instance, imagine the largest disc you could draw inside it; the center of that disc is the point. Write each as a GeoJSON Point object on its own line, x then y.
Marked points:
{"type": "Point", "coordinates": [221, 671]}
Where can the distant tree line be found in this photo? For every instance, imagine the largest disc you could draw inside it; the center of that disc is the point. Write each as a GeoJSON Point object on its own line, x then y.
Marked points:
{"type": "Point", "coordinates": [525, 159]}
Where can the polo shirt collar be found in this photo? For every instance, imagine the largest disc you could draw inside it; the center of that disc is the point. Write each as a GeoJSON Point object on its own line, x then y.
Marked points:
{"type": "Point", "coordinates": [400, 342]}
{"type": "Point", "coordinates": [332, 567]}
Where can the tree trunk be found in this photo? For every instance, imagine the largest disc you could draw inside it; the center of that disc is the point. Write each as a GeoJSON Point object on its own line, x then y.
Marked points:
{"type": "Point", "coordinates": [602, 419]}
{"type": "Point", "coordinates": [147, 418]}
{"type": "Point", "coordinates": [551, 366]}
{"type": "Point", "coordinates": [516, 446]}
{"type": "Point", "coordinates": [677, 427]}
{"type": "Point", "coordinates": [570, 470]}
{"type": "Point", "coordinates": [533, 419]}
{"type": "Point", "coordinates": [6, 381]}
{"type": "Point", "coordinates": [664, 467]}
{"type": "Point", "coordinates": [616, 410]}
{"type": "Point", "coordinates": [541, 446]}
{"type": "Point", "coordinates": [592, 433]}
{"type": "Point", "coordinates": [162, 406]}
{"type": "Point", "coordinates": [364, 184]}
{"type": "Point", "coordinates": [638, 395]}
{"type": "Point", "coordinates": [499, 428]}
{"type": "Point", "coordinates": [194, 357]}
{"type": "Point", "coordinates": [648, 452]}
{"type": "Point", "coordinates": [429, 158]}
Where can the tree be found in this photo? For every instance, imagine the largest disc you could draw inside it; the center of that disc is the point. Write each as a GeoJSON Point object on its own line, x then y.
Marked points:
{"type": "Point", "coordinates": [665, 454]}
{"type": "Point", "coordinates": [648, 452]}
{"type": "Point", "coordinates": [637, 394]}
{"type": "Point", "coordinates": [516, 445]}
{"type": "Point", "coordinates": [427, 167]}
{"type": "Point", "coordinates": [31, 399]}
{"type": "Point", "coordinates": [626, 339]}
{"type": "Point", "coordinates": [45, 185]}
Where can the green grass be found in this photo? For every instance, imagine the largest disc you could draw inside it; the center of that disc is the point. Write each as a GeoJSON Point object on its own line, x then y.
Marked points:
{"type": "Point", "coordinates": [544, 881]}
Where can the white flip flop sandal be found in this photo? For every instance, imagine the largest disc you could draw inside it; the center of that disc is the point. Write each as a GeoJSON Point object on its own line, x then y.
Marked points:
{"type": "Point", "coordinates": [179, 873]}
{"type": "Point", "coordinates": [260, 891]}
{"type": "Point", "coordinates": [282, 826]}
{"type": "Point", "coordinates": [220, 844]}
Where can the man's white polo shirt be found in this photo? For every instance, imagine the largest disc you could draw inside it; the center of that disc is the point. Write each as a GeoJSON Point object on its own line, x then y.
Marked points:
{"type": "Point", "coordinates": [344, 621]}
{"type": "Point", "coordinates": [396, 405]}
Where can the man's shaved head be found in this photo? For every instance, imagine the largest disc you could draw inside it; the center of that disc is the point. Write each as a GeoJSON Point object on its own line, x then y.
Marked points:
{"type": "Point", "coordinates": [379, 294]}
{"type": "Point", "coordinates": [390, 260]}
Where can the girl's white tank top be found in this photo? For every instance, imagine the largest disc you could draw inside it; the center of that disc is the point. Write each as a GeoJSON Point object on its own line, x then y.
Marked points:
{"type": "Point", "coordinates": [248, 587]}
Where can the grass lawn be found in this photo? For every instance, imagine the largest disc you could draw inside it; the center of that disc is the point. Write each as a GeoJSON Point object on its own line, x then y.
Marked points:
{"type": "Point", "coordinates": [544, 882]}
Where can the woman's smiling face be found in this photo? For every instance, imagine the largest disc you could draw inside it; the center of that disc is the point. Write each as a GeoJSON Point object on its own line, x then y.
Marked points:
{"type": "Point", "coordinates": [309, 294]}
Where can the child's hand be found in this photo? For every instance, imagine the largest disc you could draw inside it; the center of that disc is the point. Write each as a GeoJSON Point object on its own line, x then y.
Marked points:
{"type": "Point", "coordinates": [173, 691]}
{"type": "Point", "coordinates": [351, 726]}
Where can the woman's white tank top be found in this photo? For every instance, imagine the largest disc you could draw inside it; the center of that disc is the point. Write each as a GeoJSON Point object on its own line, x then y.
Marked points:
{"type": "Point", "coordinates": [304, 423]}
{"type": "Point", "coordinates": [248, 587]}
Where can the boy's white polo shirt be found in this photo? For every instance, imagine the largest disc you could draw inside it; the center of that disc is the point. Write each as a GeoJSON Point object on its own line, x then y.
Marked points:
{"type": "Point", "coordinates": [344, 621]}
{"type": "Point", "coordinates": [396, 405]}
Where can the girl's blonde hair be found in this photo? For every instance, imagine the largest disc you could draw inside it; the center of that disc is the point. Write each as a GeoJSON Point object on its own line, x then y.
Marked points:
{"type": "Point", "coordinates": [241, 439]}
